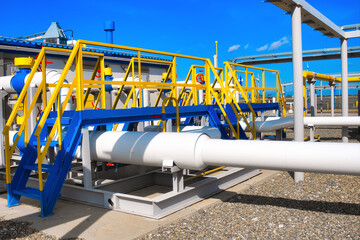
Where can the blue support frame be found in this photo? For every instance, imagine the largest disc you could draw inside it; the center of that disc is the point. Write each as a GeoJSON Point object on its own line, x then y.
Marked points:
{"type": "Point", "coordinates": [76, 120]}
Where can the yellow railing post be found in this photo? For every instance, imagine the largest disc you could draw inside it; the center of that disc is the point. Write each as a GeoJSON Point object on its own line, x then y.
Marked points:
{"type": "Point", "coordinates": [207, 84]}
{"type": "Point", "coordinates": [263, 86]}
{"type": "Point", "coordinates": [26, 130]}
{"type": "Point", "coordinates": [194, 90]}
{"type": "Point", "coordinates": [246, 80]}
{"type": "Point", "coordinates": [7, 159]}
{"type": "Point", "coordinates": [253, 99]}
{"type": "Point", "coordinates": [139, 72]}
{"type": "Point", "coordinates": [92, 78]}
{"type": "Point", "coordinates": [173, 76]}
{"type": "Point", "coordinates": [277, 92]}
{"type": "Point", "coordinates": [103, 93]}
{"type": "Point", "coordinates": [117, 98]}
{"type": "Point", "coordinates": [59, 121]}
{"type": "Point", "coordinates": [44, 97]}
{"type": "Point", "coordinates": [79, 88]}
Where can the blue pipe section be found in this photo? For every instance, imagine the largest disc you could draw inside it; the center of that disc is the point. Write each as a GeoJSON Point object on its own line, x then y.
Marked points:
{"type": "Point", "coordinates": [108, 87]}
{"type": "Point", "coordinates": [18, 81]}
{"type": "Point", "coordinates": [21, 143]}
{"type": "Point", "coordinates": [166, 90]}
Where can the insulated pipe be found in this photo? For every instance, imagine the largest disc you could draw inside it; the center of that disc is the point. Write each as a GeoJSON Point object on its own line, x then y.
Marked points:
{"type": "Point", "coordinates": [148, 148]}
{"type": "Point", "coordinates": [127, 87]}
{"type": "Point", "coordinates": [52, 77]}
{"type": "Point", "coordinates": [332, 121]}
{"type": "Point", "coordinates": [196, 151]}
{"type": "Point", "coordinates": [338, 158]}
{"type": "Point", "coordinates": [212, 132]}
{"type": "Point", "coordinates": [274, 123]}
{"type": "Point", "coordinates": [269, 125]}
{"type": "Point", "coordinates": [5, 84]}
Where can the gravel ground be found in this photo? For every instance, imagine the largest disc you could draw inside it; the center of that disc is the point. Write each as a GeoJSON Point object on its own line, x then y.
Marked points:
{"type": "Point", "coordinates": [21, 230]}
{"type": "Point", "coordinates": [325, 206]}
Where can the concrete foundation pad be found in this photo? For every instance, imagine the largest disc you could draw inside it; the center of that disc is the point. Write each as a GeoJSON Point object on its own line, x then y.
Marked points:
{"type": "Point", "coordinates": [79, 220]}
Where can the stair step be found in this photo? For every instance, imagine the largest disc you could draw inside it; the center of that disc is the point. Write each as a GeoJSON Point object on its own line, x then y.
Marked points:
{"type": "Point", "coordinates": [64, 121]}
{"type": "Point", "coordinates": [43, 143]}
{"type": "Point", "coordinates": [29, 192]}
{"type": "Point", "coordinates": [34, 167]}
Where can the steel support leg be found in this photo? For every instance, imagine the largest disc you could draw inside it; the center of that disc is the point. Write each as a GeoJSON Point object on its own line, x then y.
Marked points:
{"type": "Point", "coordinates": [332, 98]}
{"type": "Point", "coordinates": [86, 160]}
{"type": "Point", "coordinates": [344, 88]}
{"type": "Point", "coordinates": [298, 80]}
{"type": "Point", "coordinates": [178, 181]}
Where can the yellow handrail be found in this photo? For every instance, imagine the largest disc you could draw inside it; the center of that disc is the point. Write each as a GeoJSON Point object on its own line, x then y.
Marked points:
{"type": "Point", "coordinates": [280, 98]}
{"type": "Point", "coordinates": [221, 95]}
{"type": "Point", "coordinates": [177, 113]}
{"type": "Point", "coordinates": [237, 84]}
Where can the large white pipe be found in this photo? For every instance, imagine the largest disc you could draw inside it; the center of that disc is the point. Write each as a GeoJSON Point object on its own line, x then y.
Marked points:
{"type": "Point", "coordinates": [322, 157]}
{"type": "Point", "coordinates": [52, 77]}
{"type": "Point", "coordinates": [332, 121]}
{"type": "Point", "coordinates": [196, 151]}
{"type": "Point", "coordinates": [212, 132]}
{"type": "Point", "coordinates": [148, 148]}
{"type": "Point", "coordinates": [269, 125]}
{"type": "Point", "coordinates": [5, 84]}
{"type": "Point", "coordinates": [274, 123]}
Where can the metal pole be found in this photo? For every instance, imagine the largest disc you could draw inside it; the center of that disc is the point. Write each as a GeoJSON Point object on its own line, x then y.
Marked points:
{"type": "Point", "coordinates": [344, 87]}
{"type": "Point", "coordinates": [332, 98]}
{"type": "Point", "coordinates": [298, 80]}
{"type": "Point", "coordinates": [312, 105]}
{"type": "Point", "coordinates": [312, 96]}
{"type": "Point", "coordinates": [321, 98]}
{"type": "Point", "coordinates": [316, 103]}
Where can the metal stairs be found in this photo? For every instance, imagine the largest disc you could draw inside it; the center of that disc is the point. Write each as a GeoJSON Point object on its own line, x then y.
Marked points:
{"type": "Point", "coordinates": [56, 172]}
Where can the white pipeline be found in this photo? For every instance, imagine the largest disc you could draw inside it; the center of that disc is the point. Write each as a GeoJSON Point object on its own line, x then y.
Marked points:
{"type": "Point", "coordinates": [212, 132]}
{"type": "Point", "coordinates": [52, 77]}
{"type": "Point", "coordinates": [274, 123]}
{"type": "Point", "coordinates": [269, 125]}
{"type": "Point", "coordinates": [196, 151]}
{"type": "Point", "coordinates": [332, 121]}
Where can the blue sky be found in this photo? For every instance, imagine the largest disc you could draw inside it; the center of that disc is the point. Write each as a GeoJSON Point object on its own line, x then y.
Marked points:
{"type": "Point", "coordinates": [187, 26]}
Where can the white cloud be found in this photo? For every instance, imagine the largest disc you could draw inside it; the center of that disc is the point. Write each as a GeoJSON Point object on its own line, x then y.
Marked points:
{"type": "Point", "coordinates": [246, 46]}
{"type": "Point", "coordinates": [263, 48]}
{"type": "Point", "coordinates": [277, 44]}
{"type": "Point", "coordinates": [234, 48]}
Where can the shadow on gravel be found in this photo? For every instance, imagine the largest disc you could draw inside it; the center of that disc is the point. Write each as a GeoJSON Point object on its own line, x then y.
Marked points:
{"type": "Point", "coordinates": [82, 217]}
{"type": "Point", "coordinates": [307, 205]}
